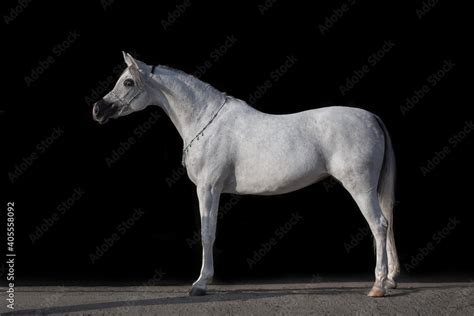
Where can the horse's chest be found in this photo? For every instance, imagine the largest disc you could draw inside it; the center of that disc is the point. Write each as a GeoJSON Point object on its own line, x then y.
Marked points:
{"type": "Point", "coordinates": [195, 164]}
{"type": "Point", "coordinates": [206, 162]}
{"type": "Point", "coordinates": [192, 166]}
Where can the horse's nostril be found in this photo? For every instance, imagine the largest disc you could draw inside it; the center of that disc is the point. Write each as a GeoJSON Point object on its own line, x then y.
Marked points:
{"type": "Point", "coordinates": [95, 109]}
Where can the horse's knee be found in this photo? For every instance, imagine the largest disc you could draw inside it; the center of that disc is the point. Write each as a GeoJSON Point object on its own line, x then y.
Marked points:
{"type": "Point", "coordinates": [379, 228]}
{"type": "Point", "coordinates": [207, 238]}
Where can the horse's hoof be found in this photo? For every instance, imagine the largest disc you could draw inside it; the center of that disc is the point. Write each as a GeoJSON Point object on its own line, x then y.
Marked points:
{"type": "Point", "coordinates": [376, 292]}
{"type": "Point", "coordinates": [197, 292]}
{"type": "Point", "coordinates": [390, 284]}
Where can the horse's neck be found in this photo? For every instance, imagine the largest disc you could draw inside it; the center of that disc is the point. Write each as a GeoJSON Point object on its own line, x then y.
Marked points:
{"type": "Point", "coordinates": [189, 102]}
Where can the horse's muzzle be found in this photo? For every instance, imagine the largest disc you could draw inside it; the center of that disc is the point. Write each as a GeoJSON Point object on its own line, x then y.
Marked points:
{"type": "Point", "coordinates": [102, 111]}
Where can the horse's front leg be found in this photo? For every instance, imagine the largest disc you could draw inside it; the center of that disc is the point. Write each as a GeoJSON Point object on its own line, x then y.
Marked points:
{"type": "Point", "coordinates": [208, 207]}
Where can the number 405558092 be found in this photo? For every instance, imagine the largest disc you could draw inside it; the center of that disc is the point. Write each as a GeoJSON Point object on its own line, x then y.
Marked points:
{"type": "Point", "coordinates": [11, 226]}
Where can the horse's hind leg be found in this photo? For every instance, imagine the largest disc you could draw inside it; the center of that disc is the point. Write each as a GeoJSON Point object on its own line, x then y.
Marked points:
{"type": "Point", "coordinates": [368, 202]}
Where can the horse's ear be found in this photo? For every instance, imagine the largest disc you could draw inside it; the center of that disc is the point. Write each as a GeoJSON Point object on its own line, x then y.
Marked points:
{"type": "Point", "coordinates": [134, 66]}
{"type": "Point", "coordinates": [127, 58]}
{"type": "Point", "coordinates": [135, 63]}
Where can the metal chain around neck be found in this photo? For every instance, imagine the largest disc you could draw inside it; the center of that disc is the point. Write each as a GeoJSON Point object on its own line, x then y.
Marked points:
{"type": "Point", "coordinates": [201, 132]}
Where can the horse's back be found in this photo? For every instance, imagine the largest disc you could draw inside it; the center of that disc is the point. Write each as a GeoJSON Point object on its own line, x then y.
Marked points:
{"type": "Point", "coordinates": [274, 154]}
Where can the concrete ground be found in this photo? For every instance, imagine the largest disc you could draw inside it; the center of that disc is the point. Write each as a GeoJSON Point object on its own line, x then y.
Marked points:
{"type": "Point", "coordinates": [317, 298]}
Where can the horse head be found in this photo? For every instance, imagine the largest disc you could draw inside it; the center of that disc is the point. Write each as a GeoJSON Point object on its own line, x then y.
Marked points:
{"type": "Point", "coordinates": [130, 93]}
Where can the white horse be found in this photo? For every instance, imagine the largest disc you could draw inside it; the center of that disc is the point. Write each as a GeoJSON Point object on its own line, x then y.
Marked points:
{"type": "Point", "coordinates": [230, 147]}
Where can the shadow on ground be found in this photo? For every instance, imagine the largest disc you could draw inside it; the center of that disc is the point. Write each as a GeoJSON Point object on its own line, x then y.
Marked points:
{"type": "Point", "coordinates": [213, 296]}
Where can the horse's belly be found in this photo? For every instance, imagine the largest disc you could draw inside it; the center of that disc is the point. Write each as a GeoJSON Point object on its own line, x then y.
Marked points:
{"type": "Point", "coordinates": [276, 172]}
{"type": "Point", "coordinates": [254, 186]}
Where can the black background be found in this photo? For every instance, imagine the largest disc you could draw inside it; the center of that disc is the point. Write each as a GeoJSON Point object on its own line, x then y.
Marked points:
{"type": "Point", "coordinates": [60, 97]}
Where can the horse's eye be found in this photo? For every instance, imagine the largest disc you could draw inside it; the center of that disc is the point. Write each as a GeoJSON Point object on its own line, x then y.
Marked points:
{"type": "Point", "coordinates": [128, 83]}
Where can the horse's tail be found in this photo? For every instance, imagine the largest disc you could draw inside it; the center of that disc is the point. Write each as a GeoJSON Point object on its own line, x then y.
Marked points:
{"type": "Point", "coordinates": [386, 193]}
